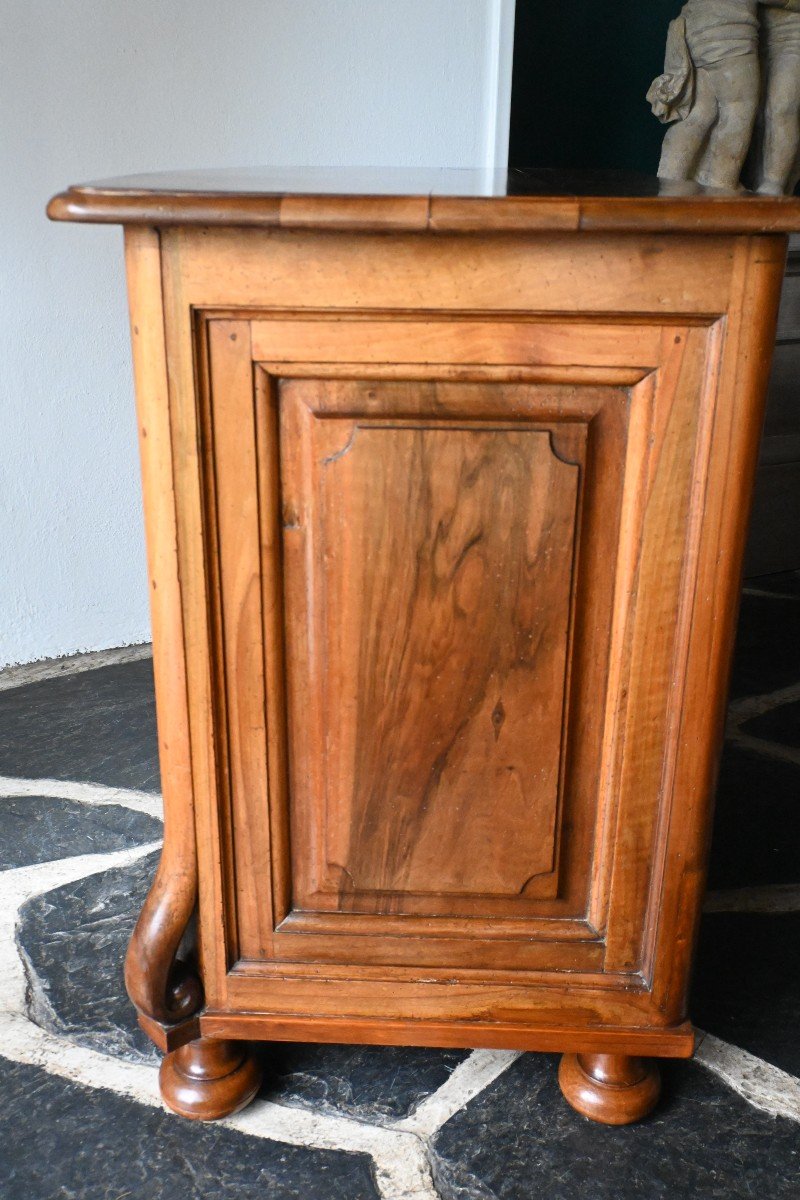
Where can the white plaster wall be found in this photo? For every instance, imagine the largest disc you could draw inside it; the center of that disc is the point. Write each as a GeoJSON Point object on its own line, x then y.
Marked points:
{"type": "Point", "coordinates": [106, 87]}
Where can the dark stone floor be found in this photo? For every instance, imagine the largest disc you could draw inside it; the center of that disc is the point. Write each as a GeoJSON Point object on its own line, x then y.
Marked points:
{"type": "Point", "coordinates": [513, 1140]}
{"type": "Point", "coordinates": [756, 838]}
{"type": "Point", "coordinates": [32, 826]}
{"type": "Point", "coordinates": [73, 940]}
{"type": "Point", "coordinates": [747, 984]}
{"type": "Point", "coordinates": [96, 727]}
{"type": "Point", "coordinates": [517, 1139]}
{"type": "Point", "coordinates": [79, 1143]}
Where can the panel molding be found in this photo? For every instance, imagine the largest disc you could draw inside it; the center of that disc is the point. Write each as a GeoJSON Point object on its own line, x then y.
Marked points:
{"type": "Point", "coordinates": [602, 397]}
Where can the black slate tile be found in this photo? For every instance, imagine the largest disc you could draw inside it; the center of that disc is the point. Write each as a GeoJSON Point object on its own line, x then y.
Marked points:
{"type": "Point", "coordinates": [756, 839]}
{"type": "Point", "coordinates": [35, 829]}
{"type": "Point", "coordinates": [767, 655]}
{"type": "Point", "coordinates": [520, 1139]}
{"type": "Point", "coordinates": [64, 1141]}
{"type": "Point", "coordinates": [73, 941]}
{"type": "Point", "coordinates": [98, 727]}
{"type": "Point", "coordinates": [781, 724]}
{"type": "Point", "coordinates": [747, 984]}
{"type": "Point", "coordinates": [371, 1083]}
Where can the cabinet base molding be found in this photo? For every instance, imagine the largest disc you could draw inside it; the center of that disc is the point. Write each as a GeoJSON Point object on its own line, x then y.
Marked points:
{"type": "Point", "coordinates": [206, 1080]}
{"type": "Point", "coordinates": [613, 1089]}
{"type": "Point", "coordinates": [676, 1041]}
{"type": "Point", "coordinates": [170, 1037]}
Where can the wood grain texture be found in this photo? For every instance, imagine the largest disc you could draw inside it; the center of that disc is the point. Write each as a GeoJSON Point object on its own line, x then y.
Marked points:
{"type": "Point", "coordinates": [206, 1080]}
{"type": "Point", "coordinates": [442, 575]}
{"type": "Point", "coordinates": [343, 537]}
{"type": "Point", "coordinates": [678, 1042]}
{"type": "Point", "coordinates": [318, 695]}
{"type": "Point", "coordinates": [614, 1089]}
{"type": "Point", "coordinates": [393, 199]}
{"type": "Point", "coordinates": [164, 989]}
{"type": "Point", "coordinates": [446, 533]}
{"type": "Point", "coordinates": [534, 274]}
{"type": "Point", "coordinates": [318, 435]}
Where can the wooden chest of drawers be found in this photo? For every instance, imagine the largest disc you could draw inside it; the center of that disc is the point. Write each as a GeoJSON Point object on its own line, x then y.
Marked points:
{"type": "Point", "coordinates": [446, 501]}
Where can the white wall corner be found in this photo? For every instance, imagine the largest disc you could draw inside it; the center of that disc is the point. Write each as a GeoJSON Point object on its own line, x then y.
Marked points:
{"type": "Point", "coordinates": [500, 52]}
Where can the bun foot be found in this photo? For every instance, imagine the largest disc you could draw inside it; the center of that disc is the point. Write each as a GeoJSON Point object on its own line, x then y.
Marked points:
{"type": "Point", "coordinates": [208, 1079]}
{"type": "Point", "coordinates": [613, 1089]}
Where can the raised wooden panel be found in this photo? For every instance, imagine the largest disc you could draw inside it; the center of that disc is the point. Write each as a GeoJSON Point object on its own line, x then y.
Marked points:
{"type": "Point", "coordinates": [429, 614]}
{"type": "Point", "coordinates": [438, 565]}
{"type": "Point", "coordinates": [433, 582]}
{"type": "Point", "coordinates": [429, 664]}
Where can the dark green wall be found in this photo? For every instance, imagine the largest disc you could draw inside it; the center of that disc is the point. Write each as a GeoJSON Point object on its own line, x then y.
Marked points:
{"type": "Point", "coordinates": [581, 71]}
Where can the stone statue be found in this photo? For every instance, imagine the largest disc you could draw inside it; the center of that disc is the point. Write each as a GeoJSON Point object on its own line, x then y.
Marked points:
{"type": "Point", "coordinates": [711, 86]}
{"type": "Point", "coordinates": [780, 134]}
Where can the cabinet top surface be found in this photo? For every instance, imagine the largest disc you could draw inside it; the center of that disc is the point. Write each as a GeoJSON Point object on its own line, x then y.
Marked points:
{"type": "Point", "coordinates": [409, 199]}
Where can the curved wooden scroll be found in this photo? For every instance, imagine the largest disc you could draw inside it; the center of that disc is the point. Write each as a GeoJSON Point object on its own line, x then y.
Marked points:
{"type": "Point", "coordinates": [160, 985]}
{"type": "Point", "coordinates": [166, 992]}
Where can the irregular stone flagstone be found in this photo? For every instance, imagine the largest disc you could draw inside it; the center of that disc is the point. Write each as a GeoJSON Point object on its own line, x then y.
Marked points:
{"type": "Point", "coordinates": [516, 1140]}
{"type": "Point", "coordinates": [73, 941]}
{"type": "Point", "coordinates": [98, 726]}
{"type": "Point", "coordinates": [371, 1083]}
{"type": "Point", "coordinates": [780, 724]}
{"type": "Point", "coordinates": [73, 1142]}
{"type": "Point", "coordinates": [37, 829]}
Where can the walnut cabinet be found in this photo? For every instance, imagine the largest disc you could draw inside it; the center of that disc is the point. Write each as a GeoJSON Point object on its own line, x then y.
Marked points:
{"type": "Point", "coordinates": [446, 501]}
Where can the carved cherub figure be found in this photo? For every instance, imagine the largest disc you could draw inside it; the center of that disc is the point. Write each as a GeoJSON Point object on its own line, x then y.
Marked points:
{"type": "Point", "coordinates": [711, 86]}
{"type": "Point", "coordinates": [780, 136]}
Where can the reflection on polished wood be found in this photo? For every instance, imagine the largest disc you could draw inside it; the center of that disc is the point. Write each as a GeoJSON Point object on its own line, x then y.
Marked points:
{"type": "Point", "coordinates": [445, 536]}
{"type": "Point", "coordinates": [414, 199]}
{"type": "Point", "coordinates": [610, 1088]}
{"type": "Point", "coordinates": [206, 1080]}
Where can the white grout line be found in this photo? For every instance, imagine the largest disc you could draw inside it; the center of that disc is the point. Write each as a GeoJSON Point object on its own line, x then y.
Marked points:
{"type": "Point", "coordinates": [747, 707]}
{"type": "Point", "coordinates": [74, 664]}
{"type": "Point", "coordinates": [401, 1165]}
{"type": "Point", "coordinates": [774, 750]}
{"type": "Point", "coordinates": [402, 1170]}
{"type": "Point", "coordinates": [468, 1079]}
{"type": "Point", "coordinates": [755, 591]}
{"type": "Point", "coordinates": [19, 885]}
{"type": "Point", "coordinates": [759, 1083]}
{"type": "Point", "coordinates": [399, 1156]}
{"type": "Point", "coordinates": [780, 898]}
{"type": "Point", "coordinates": [399, 1152]}
{"type": "Point", "coordinates": [149, 803]}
